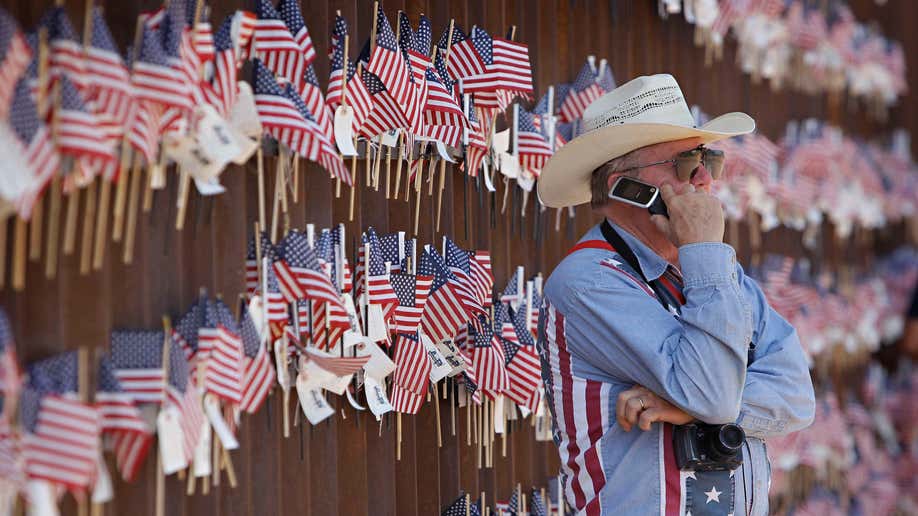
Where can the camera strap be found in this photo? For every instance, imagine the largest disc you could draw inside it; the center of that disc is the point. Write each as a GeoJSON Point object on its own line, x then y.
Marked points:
{"type": "Point", "coordinates": [623, 250]}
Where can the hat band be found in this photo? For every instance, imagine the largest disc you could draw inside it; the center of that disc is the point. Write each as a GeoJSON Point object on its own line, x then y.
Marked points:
{"type": "Point", "coordinates": [635, 106]}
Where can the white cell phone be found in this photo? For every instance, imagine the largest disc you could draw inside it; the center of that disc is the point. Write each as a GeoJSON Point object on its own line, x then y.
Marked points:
{"type": "Point", "coordinates": [637, 193]}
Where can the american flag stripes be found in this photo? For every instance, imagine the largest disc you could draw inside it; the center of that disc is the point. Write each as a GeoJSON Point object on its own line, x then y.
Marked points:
{"type": "Point", "coordinates": [477, 149]}
{"type": "Point", "coordinates": [459, 264]}
{"type": "Point", "coordinates": [77, 131]}
{"type": "Point", "coordinates": [445, 313]}
{"type": "Point", "coordinates": [66, 53]}
{"type": "Point", "coordinates": [583, 91]}
{"type": "Point", "coordinates": [259, 373]}
{"type": "Point", "coordinates": [251, 261]}
{"type": "Point", "coordinates": [61, 445]}
{"type": "Point", "coordinates": [338, 366]}
{"type": "Point", "coordinates": [412, 370]}
{"type": "Point", "coordinates": [225, 89]}
{"type": "Point", "coordinates": [488, 360]}
{"type": "Point", "coordinates": [464, 60]}
{"type": "Point", "coordinates": [506, 62]}
{"type": "Point", "coordinates": [524, 370]}
{"type": "Point", "coordinates": [379, 289]}
{"type": "Point", "coordinates": [306, 271]}
{"type": "Point", "coordinates": [109, 80]}
{"type": "Point", "coordinates": [480, 275]}
{"type": "Point", "coordinates": [155, 77]}
{"type": "Point", "coordinates": [280, 115]}
{"type": "Point", "coordinates": [38, 149]}
{"type": "Point", "coordinates": [224, 373]}
{"type": "Point", "coordinates": [533, 150]}
{"type": "Point", "coordinates": [386, 113]}
{"type": "Point", "coordinates": [443, 118]}
{"type": "Point", "coordinates": [358, 97]}
{"type": "Point", "coordinates": [388, 63]}
{"type": "Point", "coordinates": [185, 398]}
{"type": "Point", "coordinates": [120, 419]}
{"type": "Point", "coordinates": [136, 356]}
{"type": "Point", "coordinates": [412, 292]}
{"type": "Point", "coordinates": [275, 45]}
{"type": "Point", "coordinates": [289, 11]}
{"type": "Point", "coordinates": [186, 331]}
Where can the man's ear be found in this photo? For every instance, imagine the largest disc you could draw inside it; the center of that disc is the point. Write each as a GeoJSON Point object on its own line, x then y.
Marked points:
{"type": "Point", "coordinates": [611, 181]}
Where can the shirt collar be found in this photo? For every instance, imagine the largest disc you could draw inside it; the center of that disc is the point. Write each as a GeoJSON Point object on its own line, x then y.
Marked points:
{"type": "Point", "coordinates": [652, 265]}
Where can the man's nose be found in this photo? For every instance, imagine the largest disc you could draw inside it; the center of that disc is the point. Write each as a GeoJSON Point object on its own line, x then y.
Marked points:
{"type": "Point", "coordinates": [701, 178]}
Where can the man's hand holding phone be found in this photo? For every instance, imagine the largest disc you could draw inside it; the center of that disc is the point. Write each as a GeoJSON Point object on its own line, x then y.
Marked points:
{"type": "Point", "coordinates": [693, 216]}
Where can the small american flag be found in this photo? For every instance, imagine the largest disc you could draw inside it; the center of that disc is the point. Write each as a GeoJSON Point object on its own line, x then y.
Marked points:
{"type": "Point", "coordinates": [357, 95]}
{"type": "Point", "coordinates": [393, 248]}
{"type": "Point", "coordinates": [62, 443]}
{"type": "Point", "coordinates": [338, 366]}
{"type": "Point", "coordinates": [606, 80]}
{"type": "Point", "coordinates": [78, 132]}
{"type": "Point", "coordinates": [131, 437]}
{"type": "Point", "coordinates": [386, 113]}
{"type": "Point", "coordinates": [445, 313]}
{"type": "Point", "coordinates": [155, 76]}
{"type": "Point", "coordinates": [412, 370]}
{"type": "Point", "coordinates": [10, 375]}
{"type": "Point", "coordinates": [276, 47]}
{"type": "Point", "coordinates": [337, 237]}
{"type": "Point", "coordinates": [583, 91]}
{"type": "Point", "coordinates": [109, 80]}
{"type": "Point", "coordinates": [443, 118]}
{"type": "Point", "coordinates": [318, 117]}
{"type": "Point", "coordinates": [379, 289]}
{"type": "Point", "coordinates": [289, 11]}
{"type": "Point", "coordinates": [186, 331]}
{"type": "Point", "coordinates": [274, 302]}
{"type": "Point", "coordinates": [512, 293]}
{"type": "Point", "coordinates": [66, 52]}
{"type": "Point", "coordinates": [488, 360]}
{"type": "Point", "coordinates": [35, 137]}
{"type": "Point", "coordinates": [477, 149]}
{"type": "Point", "coordinates": [480, 274]}
{"type": "Point", "coordinates": [16, 57]}
{"type": "Point", "coordinates": [204, 41]}
{"type": "Point", "coordinates": [524, 370]}
{"type": "Point", "coordinates": [460, 508]}
{"type": "Point", "coordinates": [532, 148]}
{"type": "Point", "coordinates": [536, 504]}
{"type": "Point", "coordinates": [137, 360]}
{"type": "Point", "coordinates": [281, 117]}
{"type": "Point", "coordinates": [388, 63]}
{"type": "Point", "coordinates": [184, 396]}
{"type": "Point", "coordinates": [259, 372]}
{"type": "Point", "coordinates": [464, 60]}
{"type": "Point", "coordinates": [412, 292]}
{"type": "Point", "coordinates": [224, 374]}
{"type": "Point", "coordinates": [314, 283]}
{"type": "Point", "coordinates": [459, 264]}
{"type": "Point", "coordinates": [225, 87]}
{"type": "Point", "coordinates": [251, 262]}
{"type": "Point", "coordinates": [506, 64]}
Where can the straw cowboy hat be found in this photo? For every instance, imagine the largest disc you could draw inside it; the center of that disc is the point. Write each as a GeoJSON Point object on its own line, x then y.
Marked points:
{"type": "Point", "coordinates": [644, 111]}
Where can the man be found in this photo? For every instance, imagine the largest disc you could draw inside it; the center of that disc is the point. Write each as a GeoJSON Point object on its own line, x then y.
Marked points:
{"type": "Point", "coordinates": [650, 323]}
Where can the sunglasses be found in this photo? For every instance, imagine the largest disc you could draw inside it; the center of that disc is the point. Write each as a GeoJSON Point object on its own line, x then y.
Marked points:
{"type": "Point", "coordinates": [686, 162]}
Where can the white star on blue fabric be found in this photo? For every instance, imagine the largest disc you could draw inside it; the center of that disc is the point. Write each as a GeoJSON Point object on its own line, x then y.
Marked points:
{"type": "Point", "coordinates": [713, 495]}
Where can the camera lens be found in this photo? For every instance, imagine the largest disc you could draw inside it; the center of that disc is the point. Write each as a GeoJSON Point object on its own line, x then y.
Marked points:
{"type": "Point", "coordinates": [726, 441]}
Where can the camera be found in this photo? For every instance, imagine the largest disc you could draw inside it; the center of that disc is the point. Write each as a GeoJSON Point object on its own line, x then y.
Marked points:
{"type": "Point", "coordinates": [703, 447]}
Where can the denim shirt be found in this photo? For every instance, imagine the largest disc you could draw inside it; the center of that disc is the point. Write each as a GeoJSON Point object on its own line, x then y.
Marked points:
{"type": "Point", "coordinates": [602, 330]}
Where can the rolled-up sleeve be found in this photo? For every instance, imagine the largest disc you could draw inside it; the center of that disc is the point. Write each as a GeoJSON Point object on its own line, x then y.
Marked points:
{"type": "Point", "coordinates": [696, 361]}
{"type": "Point", "coordinates": [778, 394]}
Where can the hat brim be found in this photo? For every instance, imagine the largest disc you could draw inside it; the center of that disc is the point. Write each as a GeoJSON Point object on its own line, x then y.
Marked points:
{"type": "Point", "coordinates": [565, 179]}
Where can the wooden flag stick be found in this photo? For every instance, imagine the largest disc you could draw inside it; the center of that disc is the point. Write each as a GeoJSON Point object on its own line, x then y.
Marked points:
{"type": "Point", "coordinates": [452, 413]}
{"type": "Point", "coordinates": [378, 160]}
{"type": "Point", "coordinates": [19, 254]}
{"type": "Point", "coordinates": [70, 223]}
{"type": "Point", "coordinates": [183, 195]}
{"type": "Point", "coordinates": [436, 401]}
{"type": "Point", "coordinates": [398, 436]}
{"type": "Point", "coordinates": [230, 469]}
{"type": "Point", "coordinates": [105, 193]}
{"type": "Point", "coordinates": [468, 423]}
{"type": "Point", "coordinates": [468, 504]}
{"type": "Point", "coordinates": [54, 216]}
{"type": "Point", "coordinates": [128, 252]}
{"type": "Point", "coordinates": [440, 192]}
{"type": "Point", "coordinates": [296, 179]}
{"type": "Point", "coordinates": [431, 175]}
{"type": "Point", "coordinates": [152, 170]}
{"type": "Point", "coordinates": [368, 164]}
{"type": "Point", "coordinates": [35, 227]}
{"type": "Point", "coordinates": [278, 188]}
{"type": "Point", "coordinates": [417, 207]}
{"type": "Point", "coordinates": [121, 194]}
{"type": "Point", "coordinates": [89, 216]}
{"type": "Point", "coordinates": [262, 219]}
{"type": "Point", "coordinates": [389, 167]}
{"type": "Point", "coordinates": [350, 213]}
{"type": "Point", "coordinates": [160, 474]}
{"type": "Point", "coordinates": [83, 378]}
{"type": "Point", "coordinates": [398, 164]}
{"type": "Point", "coordinates": [3, 235]}
{"type": "Point", "coordinates": [215, 457]}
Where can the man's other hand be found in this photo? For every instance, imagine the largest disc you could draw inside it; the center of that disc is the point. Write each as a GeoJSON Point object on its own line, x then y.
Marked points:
{"type": "Point", "coordinates": [639, 406]}
{"type": "Point", "coordinates": [693, 216]}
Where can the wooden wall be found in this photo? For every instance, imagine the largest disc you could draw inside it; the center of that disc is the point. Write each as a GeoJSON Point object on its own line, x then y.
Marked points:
{"type": "Point", "coordinates": [347, 465]}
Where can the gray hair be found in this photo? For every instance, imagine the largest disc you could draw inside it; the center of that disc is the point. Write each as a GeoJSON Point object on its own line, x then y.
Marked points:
{"type": "Point", "coordinates": [599, 180]}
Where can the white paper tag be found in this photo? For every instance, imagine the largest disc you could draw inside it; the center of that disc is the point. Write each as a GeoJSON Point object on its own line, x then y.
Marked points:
{"type": "Point", "coordinates": [351, 338]}
{"type": "Point", "coordinates": [244, 116]}
{"type": "Point", "coordinates": [376, 396]}
{"type": "Point", "coordinates": [499, 414]}
{"type": "Point", "coordinates": [280, 361]}
{"type": "Point", "coordinates": [214, 136]}
{"type": "Point", "coordinates": [389, 138]}
{"type": "Point", "coordinates": [376, 324]}
{"type": "Point", "coordinates": [169, 431]}
{"type": "Point", "coordinates": [485, 169]}
{"type": "Point", "coordinates": [509, 165]}
{"type": "Point", "coordinates": [215, 415]}
{"type": "Point", "coordinates": [510, 410]}
{"type": "Point", "coordinates": [439, 367]}
{"type": "Point", "coordinates": [344, 130]}
{"type": "Point", "coordinates": [352, 314]}
{"type": "Point", "coordinates": [209, 187]}
{"type": "Point", "coordinates": [524, 410]}
{"type": "Point", "coordinates": [102, 490]}
{"type": "Point", "coordinates": [255, 309]}
{"type": "Point", "coordinates": [451, 355]}
{"type": "Point", "coordinates": [42, 500]}
{"type": "Point", "coordinates": [525, 180]}
{"type": "Point", "coordinates": [312, 402]}
{"type": "Point", "coordinates": [191, 158]}
{"type": "Point", "coordinates": [441, 150]}
{"type": "Point", "coordinates": [379, 365]}
{"type": "Point", "coordinates": [247, 146]}
{"type": "Point", "coordinates": [201, 465]}
{"type": "Point", "coordinates": [463, 396]}
{"type": "Point", "coordinates": [500, 141]}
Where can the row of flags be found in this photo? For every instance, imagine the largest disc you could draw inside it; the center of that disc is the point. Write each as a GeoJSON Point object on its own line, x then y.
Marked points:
{"type": "Point", "coordinates": [402, 320]}
{"type": "Point", "coordinates": [834, 312]}
{"type": "Point", "coordinates": [815, 172]}
{"type": "Point", "coordinates": [534, 503]}
{"type": "Point", "coordinates": [812, 46]}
